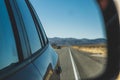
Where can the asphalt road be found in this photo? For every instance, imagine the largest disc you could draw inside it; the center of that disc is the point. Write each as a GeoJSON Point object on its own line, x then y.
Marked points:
{"type": "Point", "coordinates": [78, 65]}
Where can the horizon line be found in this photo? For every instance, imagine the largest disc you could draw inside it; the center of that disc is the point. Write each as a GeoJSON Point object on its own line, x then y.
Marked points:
{"type": "Point", "coordinates": [77, 38]}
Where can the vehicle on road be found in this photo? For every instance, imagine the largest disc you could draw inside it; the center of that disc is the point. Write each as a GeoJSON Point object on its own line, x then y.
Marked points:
{"type": "Point", "coordinates": [25, 52]}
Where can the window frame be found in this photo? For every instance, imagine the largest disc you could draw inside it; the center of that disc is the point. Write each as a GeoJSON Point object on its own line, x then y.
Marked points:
{"type": "Point", "coordinates": [9, 70]}
{"type": "Point", "coordinates": [22, 31]}
{"type": "Point", "coordinates": [15, 30]}
{"type": "Point", "coordinates": [38, 23]}
{"type": "Point", "coordinates": [44, 45]}
{"type": "Point", "coordinates": [25, 32]}
{"type": "Point", "coordinates": [14, 39]}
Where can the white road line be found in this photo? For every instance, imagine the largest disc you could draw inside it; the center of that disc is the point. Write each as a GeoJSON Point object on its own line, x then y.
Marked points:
{"type": "Point", "coordinates": [77, 76]}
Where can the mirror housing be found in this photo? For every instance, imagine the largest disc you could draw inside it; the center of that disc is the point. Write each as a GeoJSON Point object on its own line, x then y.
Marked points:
{"type": "Point", "coordinates": [111, 21]}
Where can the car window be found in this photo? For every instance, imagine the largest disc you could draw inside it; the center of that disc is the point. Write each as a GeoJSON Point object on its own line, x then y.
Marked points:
{"type": "Point", "coordinates": [33, 37]}
{"type": "Point", "coordinates": [38, 22]}
{"type": "Point", "coordinates": [8, 51]}
{"type": "Point", "coordinates": [41, 27]}
{"type": "Point", "coordinates": [43, 32]}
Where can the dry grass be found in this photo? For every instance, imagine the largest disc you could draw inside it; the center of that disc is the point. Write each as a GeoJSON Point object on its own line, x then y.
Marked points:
{"type": "Point", "coordinates": [93, 49]}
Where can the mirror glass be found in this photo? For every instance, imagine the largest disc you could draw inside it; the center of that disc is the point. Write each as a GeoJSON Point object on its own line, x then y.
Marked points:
{"type": "Point", "coordinates": [76, 31]}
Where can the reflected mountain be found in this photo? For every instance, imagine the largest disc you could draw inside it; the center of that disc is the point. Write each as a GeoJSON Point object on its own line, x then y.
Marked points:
{"type": "Point", "coordinates": [73, 41]}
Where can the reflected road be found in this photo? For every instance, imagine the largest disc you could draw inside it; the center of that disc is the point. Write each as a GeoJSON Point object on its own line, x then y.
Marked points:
{"type": "Point", "coordinates": [87, 66]}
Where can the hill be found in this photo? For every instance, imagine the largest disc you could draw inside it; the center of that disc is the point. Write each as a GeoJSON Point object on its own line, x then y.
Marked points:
{"type": "Point", "coordinates": [73, 41]}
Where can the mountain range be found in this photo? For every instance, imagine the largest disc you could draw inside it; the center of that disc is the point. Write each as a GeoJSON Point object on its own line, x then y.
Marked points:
{"type": "Point", "coordinates": [73, 41]}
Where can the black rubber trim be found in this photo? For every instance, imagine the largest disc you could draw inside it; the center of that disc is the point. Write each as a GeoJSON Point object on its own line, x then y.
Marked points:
{"type": "Point", "coordinates": [15, 30]}
{"type": "Point", "coordinates": [25, 33]}
{"type": "Point", "coordinates": [23, 29]}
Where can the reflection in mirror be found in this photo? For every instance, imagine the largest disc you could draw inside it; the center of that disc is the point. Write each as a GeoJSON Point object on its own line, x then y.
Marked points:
{"type": "Point", "coordinates": [77, 33]}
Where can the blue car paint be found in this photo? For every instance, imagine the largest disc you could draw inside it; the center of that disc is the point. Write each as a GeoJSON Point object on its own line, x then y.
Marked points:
{"type": "Point", "coordinates": [27, 73]}
{"type": "Point", "coordinates": [42, 62]}
{"type": "Point", "coordinates": [30, 72]}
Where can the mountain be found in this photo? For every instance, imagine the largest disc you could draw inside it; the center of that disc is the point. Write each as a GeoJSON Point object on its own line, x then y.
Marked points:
{"type": "Point", "coordinates": [73, 41]}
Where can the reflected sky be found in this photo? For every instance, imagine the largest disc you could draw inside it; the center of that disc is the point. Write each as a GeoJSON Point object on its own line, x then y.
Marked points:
{"type": "Point", "coordinates": [8, 51]}
{"type": "Point", "coordinates": [70, 18]}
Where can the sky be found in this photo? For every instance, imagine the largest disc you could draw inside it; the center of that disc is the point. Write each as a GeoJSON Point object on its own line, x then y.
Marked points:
{"type": "Point", "coordinates": [70, 18]}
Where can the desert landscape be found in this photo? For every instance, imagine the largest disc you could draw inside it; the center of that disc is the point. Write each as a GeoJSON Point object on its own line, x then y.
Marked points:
{"type": "Point", "coordinates": [94, 50]}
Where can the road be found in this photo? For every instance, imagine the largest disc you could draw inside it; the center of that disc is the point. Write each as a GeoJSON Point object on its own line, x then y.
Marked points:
{"type": "Point", "coordinates": [78, 65]}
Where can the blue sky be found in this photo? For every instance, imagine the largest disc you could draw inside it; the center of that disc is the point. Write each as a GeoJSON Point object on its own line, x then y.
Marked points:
{"type": "Point", "coordinates": [70, 18]}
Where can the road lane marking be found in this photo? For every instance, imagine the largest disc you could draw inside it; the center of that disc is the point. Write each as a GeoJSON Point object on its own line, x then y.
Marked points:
{"type": "Point", "coordinates": [77, 76]}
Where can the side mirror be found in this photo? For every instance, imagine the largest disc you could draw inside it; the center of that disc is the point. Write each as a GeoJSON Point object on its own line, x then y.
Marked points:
{"type": "Point", "coordinates": [111, 18]}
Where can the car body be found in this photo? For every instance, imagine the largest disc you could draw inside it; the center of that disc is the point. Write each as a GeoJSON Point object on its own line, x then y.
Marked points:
{"type": "Point", "coordinates": [25, 52]}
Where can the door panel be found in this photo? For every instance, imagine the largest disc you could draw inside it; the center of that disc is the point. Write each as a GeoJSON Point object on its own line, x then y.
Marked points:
{"type": "Point", "coordinates": [27, 73]}
{"type": "Point", "coordinates": [47, 58]}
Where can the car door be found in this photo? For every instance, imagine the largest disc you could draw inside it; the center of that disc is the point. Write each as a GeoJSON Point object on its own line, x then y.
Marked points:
{"type": "Point", "coordinates": [42, 56]}
{"type": "Point", "coordinates": [45, 59]}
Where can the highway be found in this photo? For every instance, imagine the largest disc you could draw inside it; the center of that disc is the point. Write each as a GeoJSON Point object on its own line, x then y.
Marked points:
{"type": "Point", "coordinates": [78, 65]}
